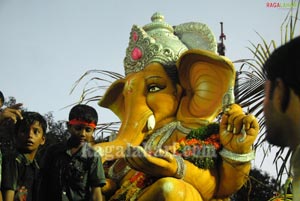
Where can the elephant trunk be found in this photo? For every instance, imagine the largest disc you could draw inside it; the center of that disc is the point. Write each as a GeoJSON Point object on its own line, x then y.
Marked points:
{"type": "Point", "coordinates": [137, 120]}
{"type": "Point", "coordinates": [131, 132]}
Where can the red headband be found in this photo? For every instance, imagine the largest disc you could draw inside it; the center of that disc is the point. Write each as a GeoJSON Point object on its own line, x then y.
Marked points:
{"type": "Point", "coordinates": [76, 122]}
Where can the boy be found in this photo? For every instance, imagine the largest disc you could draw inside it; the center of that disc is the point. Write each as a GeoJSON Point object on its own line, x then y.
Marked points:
{"type": "Point", "coordinates": [20, 169]}
{"type": "Point", "coordinates": [72, 170]}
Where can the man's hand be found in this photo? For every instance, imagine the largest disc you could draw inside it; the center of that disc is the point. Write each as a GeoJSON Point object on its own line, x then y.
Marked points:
{"type": "Point", "coordinates": [12, 113]}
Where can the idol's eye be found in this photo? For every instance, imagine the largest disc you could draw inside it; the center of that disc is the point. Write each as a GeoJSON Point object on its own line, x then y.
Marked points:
{"type": "Point", "coordinates": [154, 88]}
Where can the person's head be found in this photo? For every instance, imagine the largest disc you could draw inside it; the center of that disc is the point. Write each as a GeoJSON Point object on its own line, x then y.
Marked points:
{"type": "Point", "coordinates": [30, 132]}
{"type": "Point", "coordinates": [282, 94]}
{"type": "Point", "coordinates": [82, 123]}
{"type": "Point", "coordinates": [1, 99]}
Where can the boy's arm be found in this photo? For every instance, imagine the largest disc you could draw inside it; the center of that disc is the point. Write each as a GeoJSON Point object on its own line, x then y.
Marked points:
{"type": "Point", "coordinates": [96, 193]}
{"type": "Point", "coordinates": [8, 195]}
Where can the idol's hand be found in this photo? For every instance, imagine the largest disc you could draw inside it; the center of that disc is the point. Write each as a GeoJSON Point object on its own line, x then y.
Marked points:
{"type": "Point", "coordinates": [238, 131]}
{"type": "Point", "coordinates": [160, 163]}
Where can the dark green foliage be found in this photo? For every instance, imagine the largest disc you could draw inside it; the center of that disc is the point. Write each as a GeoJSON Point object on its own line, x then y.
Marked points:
{"type": "Point", "coordinates": [204, 132]}
{"type": "Point", "coordinates": [259, 187]}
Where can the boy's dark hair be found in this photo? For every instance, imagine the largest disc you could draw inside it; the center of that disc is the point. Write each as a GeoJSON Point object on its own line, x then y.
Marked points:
{"type": "Point", "coordinates": [28, 119]}
{"type": "Point", "coordinates": [83, 113]}
{"type": "Point", "coordinates": [1, 96]}
{"type": "Point", "coordinates": [284, 63]}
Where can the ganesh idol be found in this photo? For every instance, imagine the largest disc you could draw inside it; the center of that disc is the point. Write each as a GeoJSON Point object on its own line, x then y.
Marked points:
{"type": "Point", "coordinates": [182, 137]}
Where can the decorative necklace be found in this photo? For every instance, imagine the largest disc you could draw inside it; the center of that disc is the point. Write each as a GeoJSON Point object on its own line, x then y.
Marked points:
{"type": "Point", "coordinates": [166, 131]}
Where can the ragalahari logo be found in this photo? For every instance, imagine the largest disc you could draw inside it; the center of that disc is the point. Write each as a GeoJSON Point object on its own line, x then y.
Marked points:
{"type": "Point", "coordinates": [281, 5]}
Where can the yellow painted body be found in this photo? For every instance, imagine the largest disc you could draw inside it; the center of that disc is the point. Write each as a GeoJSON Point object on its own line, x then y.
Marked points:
{"type": "Point", "coordinates": [195, 101]}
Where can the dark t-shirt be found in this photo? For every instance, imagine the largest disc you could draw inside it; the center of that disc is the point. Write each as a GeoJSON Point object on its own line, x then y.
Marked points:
{"type": "Point", "coordinates": [70, 177]}
{"type": "Point", "coordinates": [19, 174]}
{"type": "Point", "coordinates": [0, 168]}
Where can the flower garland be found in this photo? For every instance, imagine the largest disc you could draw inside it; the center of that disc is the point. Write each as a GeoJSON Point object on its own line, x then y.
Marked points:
{"type": "Point", "coordinates": [200, 146]}
{"type": "Point", "coordinates": [131, 189]}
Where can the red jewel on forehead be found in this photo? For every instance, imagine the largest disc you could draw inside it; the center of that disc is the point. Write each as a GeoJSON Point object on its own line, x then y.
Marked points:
{"type": "Point", "coordinates": [135, 36]}
{"type": "Point", "coordinates": [136, 53]}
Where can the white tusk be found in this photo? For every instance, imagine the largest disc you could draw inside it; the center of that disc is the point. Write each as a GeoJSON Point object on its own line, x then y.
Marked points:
{"type": "Point", "coordinates": [151, 123]}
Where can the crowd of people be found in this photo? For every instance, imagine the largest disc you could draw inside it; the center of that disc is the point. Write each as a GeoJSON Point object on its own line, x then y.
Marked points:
{"type": "Point", "coordinates": [72, 170]}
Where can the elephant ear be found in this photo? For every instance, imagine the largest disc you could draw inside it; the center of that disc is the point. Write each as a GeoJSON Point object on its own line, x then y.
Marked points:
{"type": "Point", "coordinates": [208, 80]}
{"type": "Point", "coordinates": [113, 98]}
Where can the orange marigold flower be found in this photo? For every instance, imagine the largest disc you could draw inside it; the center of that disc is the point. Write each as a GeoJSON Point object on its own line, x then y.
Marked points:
{"type": "Point", "coordinates": [192, 141]}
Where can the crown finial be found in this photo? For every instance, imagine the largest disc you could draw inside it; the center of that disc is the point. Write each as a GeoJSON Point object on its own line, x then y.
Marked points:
{"type": "Point", "coordinates": [157, 17]}
{"type": "Point", "coordinates": [158, 23]}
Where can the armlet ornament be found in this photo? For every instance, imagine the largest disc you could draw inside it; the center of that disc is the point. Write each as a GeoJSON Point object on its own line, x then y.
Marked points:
{"type": "Point", "coordinates": [237, 157]}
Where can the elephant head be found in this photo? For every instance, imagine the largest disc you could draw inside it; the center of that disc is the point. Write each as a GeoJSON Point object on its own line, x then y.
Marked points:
{"type": "Point", "coordinates": [167, 79]}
